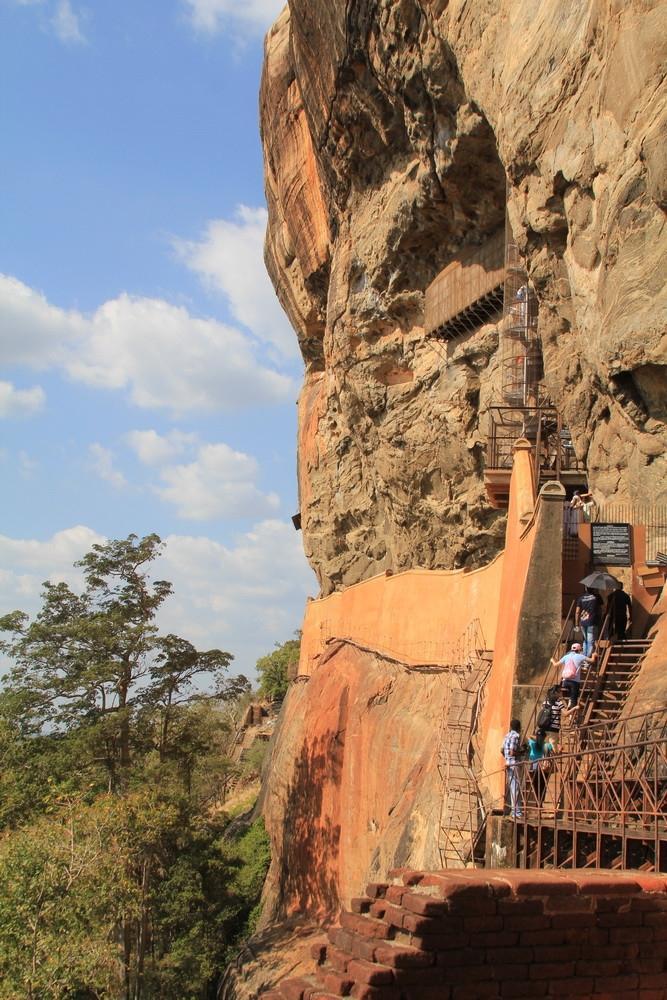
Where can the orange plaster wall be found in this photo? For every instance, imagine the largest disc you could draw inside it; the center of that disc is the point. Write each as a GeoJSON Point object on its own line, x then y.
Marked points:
{"type": "Point", "coordinates": [417, 616]}
{"type": "Point", "coordinates": [497, 706]}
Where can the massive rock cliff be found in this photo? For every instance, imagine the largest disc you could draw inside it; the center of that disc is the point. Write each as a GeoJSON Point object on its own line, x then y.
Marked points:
{"type": "Point", "coordinates": [397, 132]}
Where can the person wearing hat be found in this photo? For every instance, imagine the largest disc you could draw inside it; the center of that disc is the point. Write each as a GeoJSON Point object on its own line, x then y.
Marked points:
{"type": "Point", "coordinates": [572, 664]}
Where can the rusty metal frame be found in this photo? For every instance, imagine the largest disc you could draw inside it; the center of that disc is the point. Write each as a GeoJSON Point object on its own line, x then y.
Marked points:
{"type": "Point", "coordinates": [543, 427]}
{"type": "Point", "coordinates": [603, 804]}
{"type": "Point", "coordinates": [468, 292]}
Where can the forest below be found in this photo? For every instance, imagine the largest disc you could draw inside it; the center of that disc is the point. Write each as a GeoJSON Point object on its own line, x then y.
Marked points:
{"type": "Point", "coordinates": [127, 870]}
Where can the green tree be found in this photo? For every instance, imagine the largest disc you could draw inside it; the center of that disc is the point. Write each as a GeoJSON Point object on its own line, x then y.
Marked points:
{"type": "Point", "coordinates": [95, 661]}
{"type": "Point", "coordinates": [64, 889]}
{"type": "Point", "coordinates": [274, 668]}
{"type": "Point", "coordinates": [145, 870]}
{"type": "Point", "coordinates": [113, 751]}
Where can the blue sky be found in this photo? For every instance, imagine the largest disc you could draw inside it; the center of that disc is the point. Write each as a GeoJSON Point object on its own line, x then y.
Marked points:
{"type": "Point", "coordinates": [149, 377]}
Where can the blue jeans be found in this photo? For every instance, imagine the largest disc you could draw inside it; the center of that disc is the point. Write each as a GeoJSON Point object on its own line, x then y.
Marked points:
{"type": "Point", "coordinates": [590, 633]}
{"type": "Point", "coordinates": [514, 790]}
{"type": "Point", "coordinates": [572, 688]}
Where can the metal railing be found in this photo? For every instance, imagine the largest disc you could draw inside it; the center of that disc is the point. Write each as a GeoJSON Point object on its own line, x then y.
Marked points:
{"type": "Point", "coordinates": [544, 428]}
{"type": "Point", "coordinates": [613, 732]}
{"type": "Point", "coordinates": [610, 801]}
{"type": "Point", "coordinates": [551, 674]}
{"type": "Point", "coordinates": [600, 805]}
{"type": "Point", "coordinates": [469, 645]}
{"type": "Point", "coordinates": [593, 675]}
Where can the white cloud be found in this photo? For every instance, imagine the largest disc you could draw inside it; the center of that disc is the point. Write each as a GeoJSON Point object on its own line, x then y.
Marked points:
{"type": "Point", "coordinates": [66, 24]}
{"type": "Point", "coordinates": [220, 483]}
{"type": "Point", "coordinates": [20, 402]}
{"type": "Point", "coordinates": [58, 17]}
{"type": "Point", "coordinates": [242, 598]}
{"type": "Point", "coordinates": [230, 257]}
{"type": "Point", "coordinates": [102, 463]}
{"type": "Point", "coordinates": [152, 448]}
{"type": "Point", "coordinates": [35, 333]}
{"type": "Point", "coordinates": [163, 356]}
{"type": "Point", "coordinates": [251, 16]}
{"type": "Point", "coordinates": [27, 563]}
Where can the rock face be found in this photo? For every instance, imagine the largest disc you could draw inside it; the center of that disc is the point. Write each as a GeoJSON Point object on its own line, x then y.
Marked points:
{"type": "Point", "coordinates": [354, 788]}
{"type": "Point", "coordinates": [392, 132]}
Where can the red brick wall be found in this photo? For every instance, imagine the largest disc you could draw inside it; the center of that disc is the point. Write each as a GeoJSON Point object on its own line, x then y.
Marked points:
{"type": "Point", "coordinates": [468, 935]}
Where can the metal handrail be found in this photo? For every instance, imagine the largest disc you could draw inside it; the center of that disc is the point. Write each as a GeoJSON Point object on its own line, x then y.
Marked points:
{"type": "Point", "coordinates": [594, 779]}
{"type": "Point", "coordinates": [629, 718]}
{"type": "Point", "coordinates": [549, 674]}
{"type": "Point", "coordinates": [593, 682]}
{"type": "Point", "coordinates": [652, 732]}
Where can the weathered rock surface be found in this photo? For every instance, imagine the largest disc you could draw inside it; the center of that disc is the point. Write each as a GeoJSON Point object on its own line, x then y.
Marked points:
{"type": "Point", "coordinates": [273, 954]}
{"type": "Point", "coordinates": [353, 787]}
{"type": "Point", "coordinates": [397, 132]}
{"type": "Point", "coordinates": [390, 130]}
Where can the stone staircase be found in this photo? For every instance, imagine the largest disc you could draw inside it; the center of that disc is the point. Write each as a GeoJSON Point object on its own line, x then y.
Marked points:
{"type": "Point", "coordinates": [473, 934]}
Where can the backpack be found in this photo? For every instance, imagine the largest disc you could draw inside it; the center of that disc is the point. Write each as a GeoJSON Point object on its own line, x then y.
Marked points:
{"type": "Point", "coordinates": [569, 669]}
{"type": "Point", "coordinates": [543, 717]}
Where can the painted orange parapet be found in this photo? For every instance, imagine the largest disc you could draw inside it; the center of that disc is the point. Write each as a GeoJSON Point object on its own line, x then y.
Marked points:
{"type": "Point", "coordinates": [519, 539]}
{"type": "Point", "coordinates": [417, 617]}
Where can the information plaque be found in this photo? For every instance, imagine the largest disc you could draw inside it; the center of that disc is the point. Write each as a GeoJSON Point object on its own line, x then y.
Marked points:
{"type": "Point", "coordinates": [611, 544]}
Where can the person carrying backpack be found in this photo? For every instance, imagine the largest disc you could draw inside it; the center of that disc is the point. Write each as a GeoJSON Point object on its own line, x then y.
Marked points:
{"type": "Point", "coordinates": [572, 664]}
{"type": "Point", "coordinates": [548, 717]}
{"type": "Point", "coordinates": [587, 614]}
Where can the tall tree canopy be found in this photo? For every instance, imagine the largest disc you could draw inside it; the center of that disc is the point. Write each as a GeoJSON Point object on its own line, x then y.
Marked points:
{"type": "Point", "coordinates": [95, 661]}
{"type": "Point", "coordinates": [116, 877]}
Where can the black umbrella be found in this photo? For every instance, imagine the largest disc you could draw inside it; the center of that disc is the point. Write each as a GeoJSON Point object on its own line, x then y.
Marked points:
{"type": "Point", "coordinates": [599, 580]}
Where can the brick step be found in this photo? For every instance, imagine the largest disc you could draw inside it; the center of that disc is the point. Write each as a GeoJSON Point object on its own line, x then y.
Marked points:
{"type": "Point", "coordinates": [471, 934]}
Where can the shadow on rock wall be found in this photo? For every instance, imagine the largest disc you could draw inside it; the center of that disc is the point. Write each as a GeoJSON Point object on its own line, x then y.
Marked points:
{"type": "Point", "coordinates": [312, 834]}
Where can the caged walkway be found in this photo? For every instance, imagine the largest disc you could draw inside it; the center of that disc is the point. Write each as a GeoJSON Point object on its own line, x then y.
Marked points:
{"type": "Point", "coordinates": [461, 814]}
{"type": "Point", "coordinates": [601, 801]}
{"type": "Point", "coordinates": [601, 805]}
